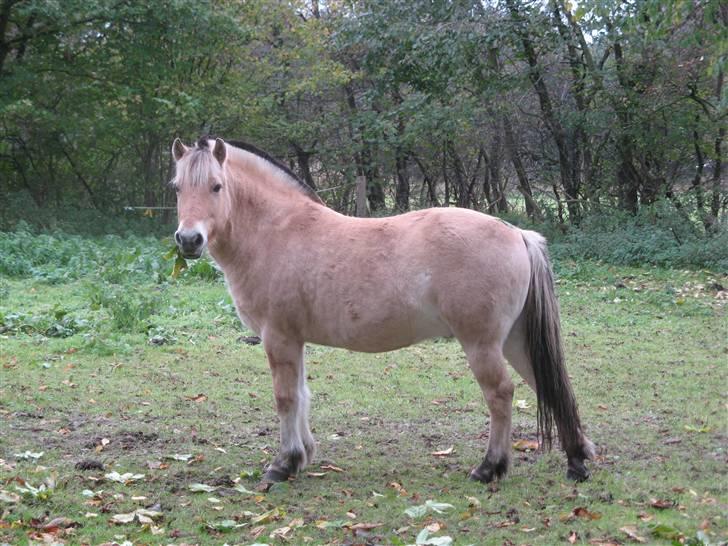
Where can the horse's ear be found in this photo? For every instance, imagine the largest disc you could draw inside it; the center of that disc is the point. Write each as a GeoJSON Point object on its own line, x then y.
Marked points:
{"type": "Point", "coordinates": [178, 149]}
{"type": "Point", "coordinates": [219, 150]}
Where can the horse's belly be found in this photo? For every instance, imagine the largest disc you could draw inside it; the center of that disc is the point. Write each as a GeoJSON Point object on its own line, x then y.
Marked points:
{"type": "Point", "coordinates": [376, 336]}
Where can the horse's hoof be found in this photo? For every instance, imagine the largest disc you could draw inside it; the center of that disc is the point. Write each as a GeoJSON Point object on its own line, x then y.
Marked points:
{"type": "Point", "coordinates": [276, 475]}
{"type": "Point", "coordinates": [489, 471]}
{"type": "Point", "coordinates": [577, 471]}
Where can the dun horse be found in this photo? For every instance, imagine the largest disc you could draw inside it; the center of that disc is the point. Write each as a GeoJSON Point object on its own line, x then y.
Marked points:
{"type": "Point", "coordinates": [300, 272]}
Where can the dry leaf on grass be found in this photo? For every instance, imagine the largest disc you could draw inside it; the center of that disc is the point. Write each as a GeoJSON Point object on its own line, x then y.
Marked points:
{"type": "Point", "coordinates": [631, 532]}
{"type": "Point", "coordinates": [661, 504]}
{"type": "Point", "coordinates": [525, 445]}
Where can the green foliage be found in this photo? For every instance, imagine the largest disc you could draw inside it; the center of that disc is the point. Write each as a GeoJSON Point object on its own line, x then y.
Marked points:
{"type": "Point", "coordinates": [130, 310]}
{"type": "Point", "coordinates": [59, 257]}
{"type": "Point", "coordinates": [654, 236]}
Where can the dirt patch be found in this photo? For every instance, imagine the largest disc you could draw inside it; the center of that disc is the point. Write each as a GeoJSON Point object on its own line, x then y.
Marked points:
{"type": "Point", "coordinates": [126, 441]}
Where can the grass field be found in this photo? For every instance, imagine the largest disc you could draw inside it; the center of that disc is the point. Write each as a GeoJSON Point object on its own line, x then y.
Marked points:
{"type": "Point", "coordinates": [108, 366]}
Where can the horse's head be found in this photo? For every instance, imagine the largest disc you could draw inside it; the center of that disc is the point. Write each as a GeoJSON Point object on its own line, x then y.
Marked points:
{"type": "Point", "coordinates": [201, 201]}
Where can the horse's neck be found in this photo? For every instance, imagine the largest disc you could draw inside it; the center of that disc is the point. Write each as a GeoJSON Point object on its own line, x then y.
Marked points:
{"type": "Point", "coordinates": [258, 208]}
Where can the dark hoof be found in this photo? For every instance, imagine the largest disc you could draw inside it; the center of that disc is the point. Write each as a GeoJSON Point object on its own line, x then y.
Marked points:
{"type": "Point", "coordinates": [276, 475]}
{"type": "Point", "coordinates": [577, 471]}
{"type": "Point", "coordinates": [489, 471]}
{"type": "Point", "coordinates": [284, 467]}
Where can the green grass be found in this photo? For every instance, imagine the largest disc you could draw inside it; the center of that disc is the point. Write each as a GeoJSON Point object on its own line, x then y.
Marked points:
{"type": "Point", "coordinates": [120, 364]}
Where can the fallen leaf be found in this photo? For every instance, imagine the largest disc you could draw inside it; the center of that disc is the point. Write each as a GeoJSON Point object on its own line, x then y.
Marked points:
{"type": "Point", "coordinates": [266, 517]}
{"type": "Point", "coordinates": [125, 478]}
{"type": "Point", "coordinates": [123, 518]}
{"type": "Point", "coordinates": [667, 532]}
{"type": "Point", "coordinates": [365, 526]}
{"type": "Point", "coordinates": [525, 445]}
{"type": "Point", "coordinates": [325, 524]}
{"type": "Point", "coordinates": [704, 428]}
{"type": "Point", "coordinates": [522, 405]}
{"type": "Point", "coordinates": [9, 497]}
{"type": "Point", "coordinates": [583, 513]}
{"type": "Point", "coordinates": [661, 504]}
{"type": "Point", "coordinates": [201, 488]}
{"type": "Point", "coordinates": [255, 532]}
{"type": "Point", "coordinates": [444, 452]}
{"type": "Point", "coordinates": [177, 457]}
{"type": "Point", "coordinates": [197, 398]}
{"type": "Point", "coordinates": [316, 474]}
{"type": "Point", "coordinates": [281, 532]}
{"type": "Point", "coordinates": [631, 532]}
{"type": "Point", "coordinates": [224, 525]}
{"type": "Point", "coordinates": [423, 538]}
{"type": "Point", "coordinates": [331, 467]}
{"type": "Point", "coordinates": [473, 501]}
{"type": "Point", "coordinates": [644, 516]}
{"type": "Point", "coordinates": [573, 537]}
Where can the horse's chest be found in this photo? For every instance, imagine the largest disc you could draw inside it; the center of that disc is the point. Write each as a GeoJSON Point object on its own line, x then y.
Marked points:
{"type": "Point", "coordinates": [244, 308]}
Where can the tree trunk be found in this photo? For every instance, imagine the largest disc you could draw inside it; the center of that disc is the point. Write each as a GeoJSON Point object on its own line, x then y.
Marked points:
{"type": "Point", "coordinates": [524, 186]}
{"type": "Point", "coordinates": [402, 190]}
{"type": "Point", "coordinates": [550, 117]}
{"type": "Point", "coordinates": [303, 159]}
{"type": "Point", "coordinates": [718, 166]}
{"type": "Point", "coordinates": [431, 185]}
{"type": "Point", "coordinates": [363, 158]}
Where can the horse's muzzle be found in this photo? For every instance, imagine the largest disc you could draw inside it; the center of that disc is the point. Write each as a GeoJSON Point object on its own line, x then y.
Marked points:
{"type": "Point", "coordinates": [190, 242]}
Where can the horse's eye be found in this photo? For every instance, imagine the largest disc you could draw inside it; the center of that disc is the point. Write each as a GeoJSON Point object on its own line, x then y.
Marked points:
{"type": "Point", "coordinates": [217, 187]}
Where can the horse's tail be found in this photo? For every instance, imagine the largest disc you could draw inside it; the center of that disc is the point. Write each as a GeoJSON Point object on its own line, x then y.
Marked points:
{"type": "Point", "coordinates": [556, 402]}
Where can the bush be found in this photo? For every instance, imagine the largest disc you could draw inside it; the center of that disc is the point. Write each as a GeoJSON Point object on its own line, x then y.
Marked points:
{"type": "Point", "coordinates": [655, 236]}
{"type": "Point", "coordinates": [60, 257]}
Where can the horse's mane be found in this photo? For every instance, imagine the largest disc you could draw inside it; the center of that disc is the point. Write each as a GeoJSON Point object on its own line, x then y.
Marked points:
{"type": "Point", "coordinates": [293, 178]}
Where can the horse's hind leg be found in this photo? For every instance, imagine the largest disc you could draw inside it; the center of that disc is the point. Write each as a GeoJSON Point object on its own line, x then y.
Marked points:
{"type": "Point", "coordinates": [488, 365]}
{"type": "Point", "coordinates": [517, 355]}
{"type": "Point", "coordinates": [285, 358]}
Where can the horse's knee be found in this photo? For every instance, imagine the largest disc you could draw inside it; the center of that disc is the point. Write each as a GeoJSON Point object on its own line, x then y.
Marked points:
{"type": "Point", "coordinates": [284, 404]}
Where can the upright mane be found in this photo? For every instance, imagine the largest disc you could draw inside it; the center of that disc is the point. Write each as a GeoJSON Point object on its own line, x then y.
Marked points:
{"type": "Point", "coordinates": [289, 176]}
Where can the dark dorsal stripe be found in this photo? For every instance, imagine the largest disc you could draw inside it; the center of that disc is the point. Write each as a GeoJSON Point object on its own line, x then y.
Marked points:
{"type": "Point", "coordinates": [202, 142]}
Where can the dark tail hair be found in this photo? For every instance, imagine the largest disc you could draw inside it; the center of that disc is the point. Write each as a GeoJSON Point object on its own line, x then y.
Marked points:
{"type": "Point", "coordinates": [556, 402]}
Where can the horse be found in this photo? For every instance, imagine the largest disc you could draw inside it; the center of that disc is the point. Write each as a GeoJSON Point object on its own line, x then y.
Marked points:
{"type": "Point", "coordinates": [300, 272]}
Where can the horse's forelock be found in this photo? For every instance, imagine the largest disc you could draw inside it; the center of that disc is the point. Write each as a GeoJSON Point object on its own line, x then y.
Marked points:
{"type": "Point", "coordinates": [198, 167]}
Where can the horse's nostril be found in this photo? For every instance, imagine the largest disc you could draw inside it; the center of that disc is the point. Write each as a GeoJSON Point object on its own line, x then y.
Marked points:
{"type": "Point", "coordinates": [177, 238]}
{"type": "Point", "coordinates": [198, 239]}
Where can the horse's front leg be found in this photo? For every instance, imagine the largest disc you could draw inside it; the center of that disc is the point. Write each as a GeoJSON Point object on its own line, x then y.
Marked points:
{"type": "Point", "coordinates": [285, 358]}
